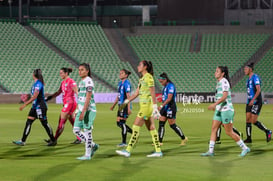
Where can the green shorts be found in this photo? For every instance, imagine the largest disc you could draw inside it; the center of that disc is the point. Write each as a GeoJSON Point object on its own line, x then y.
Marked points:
{"type": "Point", "coordinates": [225, 117]}
{"type": "Point", "coordinates": [87, 122]}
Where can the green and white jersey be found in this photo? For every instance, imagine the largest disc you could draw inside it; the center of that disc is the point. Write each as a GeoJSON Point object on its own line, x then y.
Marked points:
{"type": "Point", "coordinates": [86, 85]}
{"type": "Point", "coordinates": [223, 86]}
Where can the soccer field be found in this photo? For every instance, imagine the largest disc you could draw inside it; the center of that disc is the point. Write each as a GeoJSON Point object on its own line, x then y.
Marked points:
{"type": "Point", "coordinates": [35, 161]}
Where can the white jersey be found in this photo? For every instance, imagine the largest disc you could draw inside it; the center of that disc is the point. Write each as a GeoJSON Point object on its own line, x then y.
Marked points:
{"type": "Point", "coordinates": [86, 85]}
{"type": "Point", "coordinates": [223, 86]}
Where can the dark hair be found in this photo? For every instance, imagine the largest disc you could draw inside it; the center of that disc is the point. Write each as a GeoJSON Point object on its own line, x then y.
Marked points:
{"type": "Point", "coordinates": [149, 66]}
{"type": "Point", "coordinates": [127, 72]}
{"type": "Point", "coordinates": [67, 70]}
{"type": "Point", "coordinates": [165, 76]}
{"type": "Point", "coordinates": [38, 74]}
{"type": "Point", "coordinates": [87, 67]}
{"type": "Point", "coordinates": [251, 65]}
{"type": "Point", "coordinates": [224, 69]}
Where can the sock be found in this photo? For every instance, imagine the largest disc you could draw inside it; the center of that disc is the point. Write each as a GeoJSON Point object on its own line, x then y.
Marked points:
{"type": "Point", "coordinates": [178, 131]}
{"type": "Point", "coordinates": [261, 126]}
{"type": "Point", "coordinates": [27, 130]}
{"type": "Point", "coordinates": [236, 131]}
{"type": "Point", "coordinates": [60, 128]}
{"type": "Point", "coordinates": [211, 146]}
{"type": "Point", "coordinates": [248, 130]}
{"type": "Point", "coordinates": [161, 130]}
{"type": "Point", "coordinates": [123, 130]}
{"type": "Point", "coordinates": [88, 143]}
{"type": "Point", "coordinates": [77, 131]}
{"type": "Point", "coordinates": [129, 130]}
{"type": "Point", "coordinates": [134, 138]}
{"type": "Point", "coordinates": [72, 120]}
{"type": "Point", "coordinates": [242, 144]}
{"type": "Point", "coordinates": [218, 134]}
{"type": "Point", "coordinates": [155, 140]}
{"type": "Point", "coordinates": [48, 129]}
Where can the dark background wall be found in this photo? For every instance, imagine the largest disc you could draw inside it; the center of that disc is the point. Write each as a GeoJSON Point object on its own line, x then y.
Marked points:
{"type": "Point", "coordinates": [191, 9]}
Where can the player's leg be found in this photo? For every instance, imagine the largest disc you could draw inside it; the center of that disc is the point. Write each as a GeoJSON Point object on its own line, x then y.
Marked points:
{"type": "Point", "coordinates": [78, 125]}
{"type": "Point", "coordinates": [178, 131]}
{"type": "Point", "coordinates": [62, 121]}
{"type": "Point", "coordinates": [248, 125]}
{"type": "Point", "coordinates": [45, 124]}
{"type": "Point", "coordinates": [161, 128]}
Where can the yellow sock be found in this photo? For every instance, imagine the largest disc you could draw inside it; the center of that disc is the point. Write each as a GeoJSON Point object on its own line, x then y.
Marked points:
{"type": "Point", "coordinates": [133, 138]}
{"type": "Point", "coordinates": [155, 140]}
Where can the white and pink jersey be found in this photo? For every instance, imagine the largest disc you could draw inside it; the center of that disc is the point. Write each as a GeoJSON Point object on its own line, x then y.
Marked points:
{"type": "Point", "coordinates": [67, 90]}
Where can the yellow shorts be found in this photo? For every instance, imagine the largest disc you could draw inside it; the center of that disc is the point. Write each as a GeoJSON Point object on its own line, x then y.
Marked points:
{"type": "Point", "coordinates": [146, 111]}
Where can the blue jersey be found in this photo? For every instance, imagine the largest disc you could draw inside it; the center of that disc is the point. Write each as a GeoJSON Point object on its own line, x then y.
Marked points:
{"type": "Point", "coordinates": [169, 89]}
{"type": "Point", "coordinates": [39, 102]}
{"type": "Point", "coordinates": [251, 88]}
{"type": "Point", "coordinates": [123, 88]}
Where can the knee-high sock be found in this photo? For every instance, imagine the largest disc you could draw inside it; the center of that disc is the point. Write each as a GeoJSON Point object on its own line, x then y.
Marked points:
{"type": "Point", "coordinates": [89, 142]}
{"type": "Point", "coordinates": [72, 120]}
{"type": "Point", "coordinates": [218, 134]}
{"type": "Point", "coordinates": [27, 129]}
{"type": "Point", "coordinates": [129, 130]}
{"type": "Point", "coordinates": [123, 130]}
{"type": "Point", "coordinates": [161, 130]}
{"type": "Point", "coordinates": [248, 130]}
{"type": "Point", "coordinates": [261, 126]}
{"type": "Point", "coordinates": [178, 131]}
{"type": "Point", "coordinates": [77, 131]}
{"type": "Point", "coordinates": [134, 138]}
{"type": "Point", "coordinates": [60, 128]}
{"type": "Point", "coordinates": [155, 140]}
{"type": "Point", "coordinates": [48, 129]}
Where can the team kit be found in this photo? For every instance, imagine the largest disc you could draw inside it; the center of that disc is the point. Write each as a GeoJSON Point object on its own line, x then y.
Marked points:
{"type": "Point", "coordinates": [82, 114]}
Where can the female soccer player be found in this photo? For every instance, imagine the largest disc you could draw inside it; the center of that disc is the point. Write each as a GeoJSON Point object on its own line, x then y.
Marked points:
{"type": "Point", "coordinates": [224, 112]}
{"type": "Point", "coordinates": [68, 89]}
{"type": "Point", "coordinates": [124, 90]}
{"type": "Point", "coordinates": [168, 109]}
{"type": "Point", "coordinates": [254, 103]}
{"type": "Point", "coordinates": [87, 112]}
{"type": "Point", "coordinates": [38, 109]}
{"type": "Point", "coordinates": [148, 109]}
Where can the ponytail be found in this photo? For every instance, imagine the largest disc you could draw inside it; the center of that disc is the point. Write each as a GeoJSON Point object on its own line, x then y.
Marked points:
{"type": "Point", "coordinates": [224, 69]}
{"type": "Point", "coordinates": [38, 74]}
{"type": "Point", "coordinates": [149, 66]}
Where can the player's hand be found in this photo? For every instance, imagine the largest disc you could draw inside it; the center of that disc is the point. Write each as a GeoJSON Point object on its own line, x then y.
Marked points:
{"type": "Point", "coordinates": [22, 107]}
{"type": "Point", "coordinates": [129, 111]}
{"type": "Point", "coordinates": [160, 107]}
{"type": "Point", "coordinates": [212, 107]}
{"type": "Point", "coordinates": [48, 98]}
{"type": "Point", "coordinates": [122, 106]}
{"type": "Point", "coordinates": [82, 116]}
{"type": "Point", "coordinates": [251, 103]}
{"type": "Point", "coordinates": [156, 113]}
{"type": "Point", "coordinates": [112, 107]}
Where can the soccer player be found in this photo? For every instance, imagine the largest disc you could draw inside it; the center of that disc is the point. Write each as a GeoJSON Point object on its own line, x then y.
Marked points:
{"type": "Point", "coordinates": [168, 109]}
{"type": "Point", "coordinates": [68, 89]}
{"type": "Point", "coordinates": [148, 109]}
{"type": "Point", "coordinates": [124, 90]}
{"type": "Point", "coordinates": [85, 117]}
{"type": "Point", "coordinates": [254, 104]}
{"type": "Point", "coordinates": [38, 109]}
{"type": "Point", "coordinates": [224, 112]}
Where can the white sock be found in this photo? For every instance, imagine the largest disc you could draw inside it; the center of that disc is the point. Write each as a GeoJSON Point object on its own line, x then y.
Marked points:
{"type": "Point", "coordinates": [88, 143]}
{"type": "Point", "coordinates": [242, 144]}
{"type": "Point", "coordinates": [211, 146]}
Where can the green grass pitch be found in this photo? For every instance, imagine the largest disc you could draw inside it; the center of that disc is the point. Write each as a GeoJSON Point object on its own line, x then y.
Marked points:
{"type": "Point", "coordinates": [35, 161]}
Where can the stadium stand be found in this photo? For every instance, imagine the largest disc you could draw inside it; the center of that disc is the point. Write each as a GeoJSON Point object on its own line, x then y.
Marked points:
{"type": "Point", "coordinates": [87, 43]}
{"type": "Point", "coordinates": [21, 53]}
{"type": "Point", "coordinates": [264, 69]}
{"type": "Point", "coordinates": [194, 72]}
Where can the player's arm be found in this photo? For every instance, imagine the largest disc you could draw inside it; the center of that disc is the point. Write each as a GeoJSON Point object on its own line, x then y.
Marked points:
{"type": "Point", "coordinates": [258, 91]}
{"type": "Point", "coordinates": [87, 101]}
{"type": "Point", "coordinates": [114, 104]}
{"type": "Point", "coordinates": [75, 89]}
{"type": "Point", "coordinates": [54, 95]}
{"type": "Point", "coordinates": [156, 113]}
{"type": "Point", "coordinates": [152, 91]}
{"type": "Point", "coordinates": [170, 96]}
{"type": "Point", "coordinates": [129, 107]}
{"type": "Point", "coordinates": [35, 95]}
{"type": "Point", "coordinates": [131, 98]}
{"type": "Point", "coordinates": [222, 99]}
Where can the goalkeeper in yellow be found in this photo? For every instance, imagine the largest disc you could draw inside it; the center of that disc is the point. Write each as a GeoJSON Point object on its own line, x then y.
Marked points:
{"type": "Point", "coordinates": [148, 109]}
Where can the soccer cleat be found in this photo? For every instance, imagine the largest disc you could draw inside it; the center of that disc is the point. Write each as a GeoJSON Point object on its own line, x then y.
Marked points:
{"type": "Point", "coordinates": [184, 141]}
{"type": "Point", "coordinates": [47, 141]}
{"type": "Point", "coordinates": [248, 140]}
{"type": "Point", "coordinates": [76, 142]}
{"type": "Point", "coordinates": [94, 149]}
{"type": "Point", "coordinates": [19, 142]}
{"type": "Point", "coordinates": [123, 153]}
{"type": "Point", "coordinates": [207, 154]}
{"type": "Point", "coordinates": [244, 152]}
{"type": "Point", "coordinates": [121, 145]}
{"type": "Point", "coordinates": [268, 135]}
{"type": "Point", "coordinates": [84, 158]}
{"type": "Point", "coordinates": [52, 143]}
{"type": "Point", "coordinates": [218, 142]}
{"type": "Point", "coordinates": [155, 154]}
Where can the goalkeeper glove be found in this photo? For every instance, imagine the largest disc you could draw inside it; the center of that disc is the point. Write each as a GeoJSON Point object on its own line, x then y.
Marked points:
{"type": "Point", "coordinates": [122, 106]}
{"type": "Point", "coordinates": [156, 113]}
